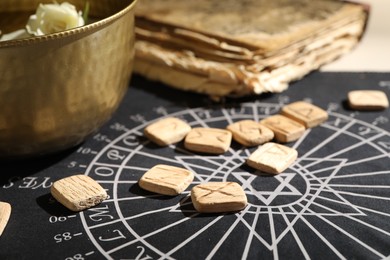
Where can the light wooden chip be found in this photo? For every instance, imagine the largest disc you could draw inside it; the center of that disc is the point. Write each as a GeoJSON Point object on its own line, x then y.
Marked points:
{"type": "Point", "coordinates": [78, 192]}
{"type": "Point", "coordinates": [305, 113]}
{"type": "Point", "coordinates": [167, 131]}
{"type": "Point", "coordinates": [272, 158]}
{"type": "Point", "coordinates": [218, 197]}
{"type": "Point", "coordinates": [166, 180]}
{"type": "Point", "coordinates": [208, 140]}
{"type": "Point", "coordinates": [368, 100]}
{"type": "Point", "coordinates": [250, 133]}
{"type": "Point", "coordinates": [5, 213]}
{"type": "Point", "coordinates": [284, 128]}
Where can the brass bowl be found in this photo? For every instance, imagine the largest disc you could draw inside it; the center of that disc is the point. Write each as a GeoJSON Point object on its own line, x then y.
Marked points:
{"type": "Point", "coordinates": [57, 89]}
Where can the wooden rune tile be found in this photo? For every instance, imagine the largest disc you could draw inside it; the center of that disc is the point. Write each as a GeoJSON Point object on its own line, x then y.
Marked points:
{"type": "Point", "coordinates": [218, 197]}
{"type": "Point", "coordinates": [167, 131]}
{"type": "Point", "coordinates": [272, 158]}
{"type": "Point", "coordinates": [368, 100]}
{"type": "Point", "coordinates": [78, 192]}
{"type": "Point", "coordinates": [5, 213]}
{"type": "Point", "coordinates": [284, 128]}
{"type": "Point", "coordinates": [208, 140]}
{"type": "Point", "coordinates": [166, 180]}
{"type": "Point", "coordinates": [250, 133]}
{"type": "Point", "coordinates": [305, 113]}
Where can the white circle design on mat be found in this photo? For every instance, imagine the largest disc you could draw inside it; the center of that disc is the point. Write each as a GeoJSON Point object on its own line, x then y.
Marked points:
{"type": "Point", "coordinates": [332, 184]}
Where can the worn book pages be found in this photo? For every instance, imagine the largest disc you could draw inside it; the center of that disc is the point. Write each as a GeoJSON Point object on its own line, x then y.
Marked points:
{"type": "Point", "coordinates": [235, 48]}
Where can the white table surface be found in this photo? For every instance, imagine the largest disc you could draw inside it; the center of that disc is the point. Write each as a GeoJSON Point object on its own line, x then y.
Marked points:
{"type": "Point", "coordinates": [373, 52]}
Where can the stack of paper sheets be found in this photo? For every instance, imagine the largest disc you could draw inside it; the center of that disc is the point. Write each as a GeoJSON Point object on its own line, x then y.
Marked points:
{"type": "Point", "coordinates": [236, 48]}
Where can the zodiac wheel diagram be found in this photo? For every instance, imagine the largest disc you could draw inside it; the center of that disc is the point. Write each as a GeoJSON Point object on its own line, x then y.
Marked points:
{"type": "Point", "coordinates": [333, 198]}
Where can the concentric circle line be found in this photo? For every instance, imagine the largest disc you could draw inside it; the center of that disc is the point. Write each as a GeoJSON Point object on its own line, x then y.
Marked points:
{"type": "Point", "coordinates": [133, 198]}
{"type": "Point", "coordinates": [337, 193]}
{"type": "Point", "coordinates": [182, 160]}
{"type": "Point", "coordinates": [305, 207]}
{"type": "Point", "coordinates": [124, 166]}
{"type": "Point", "coordinates": [334, 212]}
{"type": "Point", "coordinates": [349, 163]}
{"type": "Point", "coordinates": [349, 235]}
{"type": "Point", "coordinates": [327, 140]}
{"type": "Point", "coordinates": [149, 155]}
{"type": "Point", "coordinates": [119, 212]}
{"type": "Point", "coordinates": [360, 213]}
{"type": "Point", "coordinates": [142, 238]}
{"type": "Point", "coordinates": [197, 119]}
{"type": "Point", "coordinates": [220, 166]}
{"type": "Point", "coordinates": [93, 240]}
{"type": "Point", "coordinates": [349, 216]}
{"type": "Point", "coordinates": [218, 170]}
{"type": "Point", "coordinates": [363, 195]}
{"type": "Point", "coordinates": [193, 236]}
{"type": "Point", "coordinates": [251, 234]}
{"type": "Point", "coordinates": [326, 187]}
{"type": "Point", "coordinates": [134, 216]}
{"type": "Point", "coordinates": [373, 211]}
{"type": "Point", "coordinates": [252, 231]}
{"type": "Point", "coordinates": [208, 159]}
{"type": "Point", "coordinates": [82, 217]}
{"type": "Point", "coordinates": [295, 235]}
{"type": "Point", "coordinates": [113, 182]}
{"type": "Point", "coordinates": [209, 121]}
{"type": "Point", "coordinates": [349, 148]}
{"type": "Point", "coordinates": [378, 130]}
{"type": "Point", "coordinates": [354, 175]}
{"type": "Point", "coordinates": [224, 237]}
{"type": "Point", "coordinates": [320, 236]}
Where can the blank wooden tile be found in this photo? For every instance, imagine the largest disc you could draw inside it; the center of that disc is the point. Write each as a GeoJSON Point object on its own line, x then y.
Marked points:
{"type": "Point", "coordinates": [272, 158]}
{"type": "Point", "coordinates": [250, 133]}
{"type": "Point", "coordinates": [305, 113]}
{"type": "Point", "coordinates": [208, 140]}
{"type": "Point", "coordinates": [5, 213]}
{"type": "Point", "coordinates": [166, 179]}
{"type": "Point", "coordinates": [167, 131]}
{"type": "Point", "coordinates": [368, 100]}
{"type": "Point", "coordinates": [78, 192]}
{"type": "Point", "coordinates": [284, 128]}
{"type": "Point", "coordinates": [218, 197]}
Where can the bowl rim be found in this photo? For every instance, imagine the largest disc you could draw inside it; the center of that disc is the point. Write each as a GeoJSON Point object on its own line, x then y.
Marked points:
{"type": "Point", "coordinates": [70, 32]}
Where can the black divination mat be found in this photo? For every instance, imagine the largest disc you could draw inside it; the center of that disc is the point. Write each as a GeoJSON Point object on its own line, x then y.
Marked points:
{"type": "Point", "coordinates": [333, 202]}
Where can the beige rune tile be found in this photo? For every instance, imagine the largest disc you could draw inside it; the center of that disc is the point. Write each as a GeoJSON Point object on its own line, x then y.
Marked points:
{"type": "Point", "coordinates": [368, 100]}
{"type": "Point", "coordinates": [208, 140]}
{"type": "Point", "coordinates": [250, 133]}
{"type": "Point", "coordinates": [78, 192]}
{"type": "Point", "coordinates": [167, 131]}
{"type": "Point", "coordinates": [166, 180]}
{"type": "Point", "coordinates": [5, 213]}
{"type": "Point", "coordinates": [284, 128]}
{"type": "Point", "coordinates": [218, 197]}
{"type": "Point", "coordinates": [272, 158]}
{"type": "Point", "coordinates": [305, 113]}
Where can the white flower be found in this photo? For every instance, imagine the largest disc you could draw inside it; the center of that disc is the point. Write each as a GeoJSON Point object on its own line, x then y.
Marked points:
{"type": "Point", "coordinates": [51, 18]}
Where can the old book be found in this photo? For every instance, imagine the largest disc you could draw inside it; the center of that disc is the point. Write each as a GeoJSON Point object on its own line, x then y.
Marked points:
{"type": "Point", "coordinates": [235, 48]}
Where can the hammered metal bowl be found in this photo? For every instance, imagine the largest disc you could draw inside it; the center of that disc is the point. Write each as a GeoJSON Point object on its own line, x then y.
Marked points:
{"type": "Point", "coordinates": [57, 89]}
